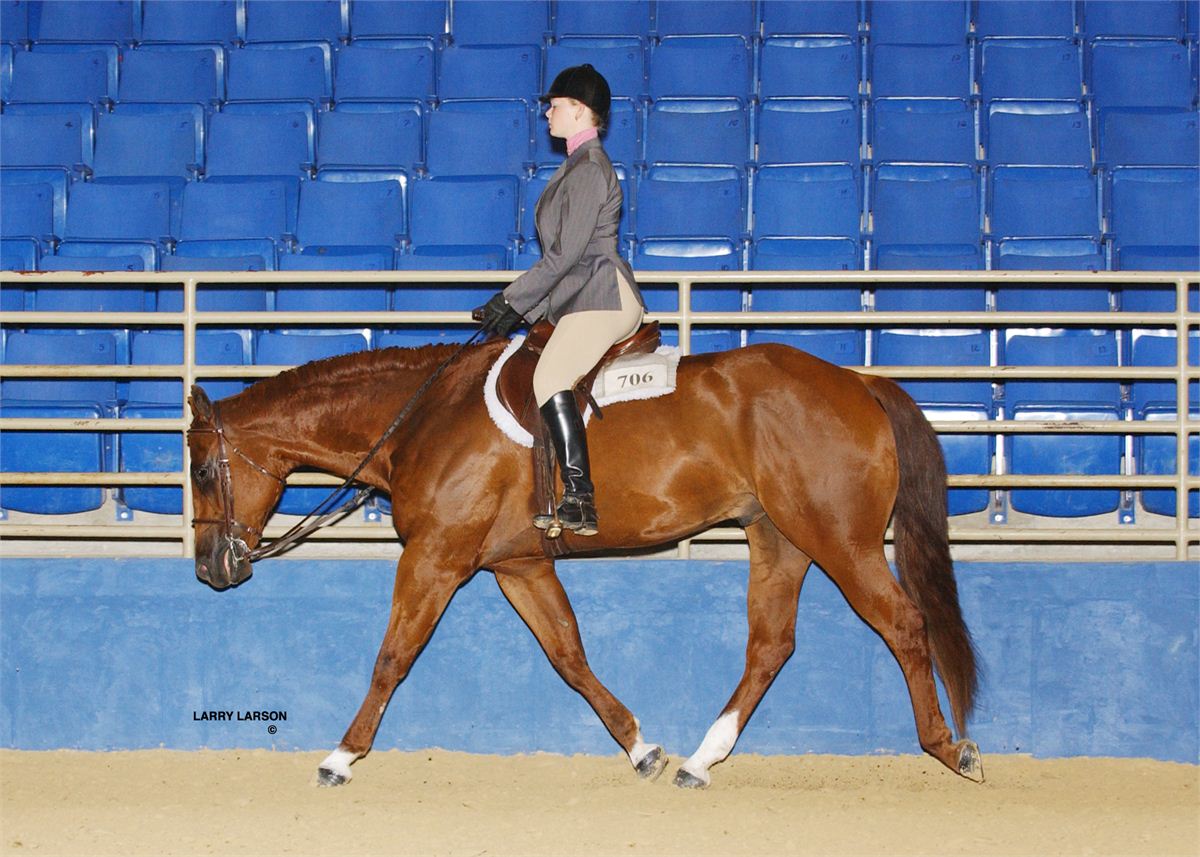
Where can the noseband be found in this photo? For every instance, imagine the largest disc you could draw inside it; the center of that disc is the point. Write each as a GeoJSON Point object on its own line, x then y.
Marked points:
{"type": "Point", "coordinates": [228, 522]}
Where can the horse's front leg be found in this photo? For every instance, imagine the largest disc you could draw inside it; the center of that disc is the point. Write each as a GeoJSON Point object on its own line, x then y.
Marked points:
{"type": "Point", "coordinates": [426, 579]}
{"type": "Point", "coordinates": [534, 590]}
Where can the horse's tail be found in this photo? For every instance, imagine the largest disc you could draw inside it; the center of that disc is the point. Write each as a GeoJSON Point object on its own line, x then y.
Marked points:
{"type": "Point", "coordinates": [922, 545]}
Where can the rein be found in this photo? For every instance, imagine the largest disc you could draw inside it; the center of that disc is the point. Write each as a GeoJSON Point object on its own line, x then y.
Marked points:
{"type": "Point", "coordinates": [309, 523]}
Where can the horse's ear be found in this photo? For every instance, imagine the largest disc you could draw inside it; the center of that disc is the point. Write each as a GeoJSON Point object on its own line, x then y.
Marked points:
{"type": "Point", "coordinates": [200, 404]}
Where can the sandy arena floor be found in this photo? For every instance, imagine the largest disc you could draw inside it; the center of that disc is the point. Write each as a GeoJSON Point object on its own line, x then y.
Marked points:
{"type": "Point", "coordinates": [442, 803]}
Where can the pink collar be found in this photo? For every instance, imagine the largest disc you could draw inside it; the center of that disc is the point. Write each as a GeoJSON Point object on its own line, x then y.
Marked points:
{"type": "Point", "coordinates": [579, 139]}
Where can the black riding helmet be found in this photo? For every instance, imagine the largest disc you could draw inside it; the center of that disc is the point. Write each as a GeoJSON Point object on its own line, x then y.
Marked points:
{"type": "Point", "coordinates": [585, 85]}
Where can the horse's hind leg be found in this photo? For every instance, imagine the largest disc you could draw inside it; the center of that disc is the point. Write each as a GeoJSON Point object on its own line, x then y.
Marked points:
{"type": "Point", "coordinates": [875, 594]}
{"type": "Point", "coordinates": [426, 579]}
{"type": "Point", "coordinates": [533, 589]}
{"type": "Point", "coordinates": [777, 570]}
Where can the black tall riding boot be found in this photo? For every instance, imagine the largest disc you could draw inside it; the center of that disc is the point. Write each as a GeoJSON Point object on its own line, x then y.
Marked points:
{"type": "Point", "coordinates": [577, 511]}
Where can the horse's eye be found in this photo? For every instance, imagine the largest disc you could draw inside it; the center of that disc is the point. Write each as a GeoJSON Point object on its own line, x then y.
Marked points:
{"type": "Point", "coordinates": [202, 473]}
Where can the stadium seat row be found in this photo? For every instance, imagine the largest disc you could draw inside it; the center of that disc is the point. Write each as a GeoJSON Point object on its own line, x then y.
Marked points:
{"type": "Point", "coordinates": [1116, 72]}
{"type": "Point", "coordinates": [814, 217]}
{"type": "Point", "coordinates": [526, 21]}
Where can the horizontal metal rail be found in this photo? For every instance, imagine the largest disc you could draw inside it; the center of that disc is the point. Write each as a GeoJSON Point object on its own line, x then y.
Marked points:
{"type": "Point", "coordinates": [1182, 534]}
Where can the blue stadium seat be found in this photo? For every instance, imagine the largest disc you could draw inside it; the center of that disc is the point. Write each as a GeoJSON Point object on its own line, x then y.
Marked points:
{"type": "Point", "coordinates": [921, 71]}
{"type": "Point", "coordinates": [78, 77]}
{"type": "Point", "coordinates": [430, 297]}
{"type": "Point", "coordinates": [705, 17]}
{"type": "Point", "coordinates": [384, 71]}
{"type": "Point", "coordinates": [17, 254]}
{"type": "Point", "coordinates": [72, 451]}
{"type": "Point", "coordinates": [120, 212]}
{"type": "Point", "coordinates": [475, 212]}
{"type": "Point", "coordinates": [339, 259]}
{"type": "Point", "coordinates": [1046, 18]}
{"type": "Point", "coordinates": [294, 21]}
{"type": "Point", "coordinates": [59, 140]}
{"type": "Point", "coordinates": [1049, 133]}
{"type": "Point", "coordinates": [1048, 254]}
{"type": "Point", "coordinates": [500, 22]}
{"type": "Point", "coordinates": [929, 297]}
{"type": "Point", "coordinates": [1043, 202]}
{"type": "Point", "coordinates": [622, 141]}
{"type": "Point", "coordinates": [14, 21]}
{"type": "Point", "coordinates": [1158, 400]}
{"type": "Point", "coordinates": [809, 18]}
{"type": "Point", "coordinates": [844, 346]}
{"type": "Point", "coordinates": [699, 131]}
{"type": "Point", "coordinates": [666, 254]}
{"type": "Point", "coordinates": [822, 200]}
{"type": "Point", "coordinates": [331, 297]}
{"type": "Point", "coordinates": [1063, 400]}
{"type": "Point", "coordinates": [840, 347]}
{"type": "Point", "coordinates": [280, 73]}
{"type": "Point", "coordinates": [417, 339]}
{"type": "Point", "coordinates": [456, 129]}
{"type": "Point", "coordinates": [121, 259]}
{"type": "Point", "coordinates": [1121, 18]}
{"type": "Point", "coordinates": [82, 21]}
{"type": "Point", "coordinates": [242, 218]}
{"type": "Point", "coordinates": [144, 145]}
{"type": "Point", "coordinates": [613, 18]}
{"type": "Point", "coordinates": [623, 60]}
{"type": "Point", "coordinates": [1030, 69]}
{"type": "Point", "coordinates": [370, 136]}
{"type": "Point", "coordinates": [1154, 218]}
{"type": "Point", "coordinates": [806, 298]}
{"type": "Point", "coordinates": [216, 256]}
{"type": "Point", "coordinates": [947, 399]}
{"type": "Point", "coordinates": [531, 189]}
{"type": "Point", "coordinates": [159, 398]}
{"type": "Point", "coordinates": [368, 216]}
{"type": "Point", "coordinates": [33, 203]}
{"type": "Point", "coordinates": [6, 61]}
{"type": "Point", "coordinates": [398, 18]}
{"type": "Point", "coordinates": [919, 22]}
{"type": "Point", "coordinates": [806, 254]}
{"type": "Point", "coordinates": [490, 71]}
{"type": "Point", "coordinates": [1149, 136]}
{"type": "Point", "coordinates": [810, 67]}
{"type": "Point", "coordinates": [1133, 73]}
{"type": "Point", "coordinates": [213, 297]}
{"type": "Point", "coordinates": [455, 257]}
{"type": "Point", "coordinates": [700, 67]}
{"type": "Point", "coordinates": [925, 216]}
{"type": "Point", "coordinates": [194, 75]}
{"type": "Point", "coordinates": [809, 130]}
{"type": "Point", "coordinates": [1042, 297]}
{"type": "Point", "coordinates": [195, 21]}
{"type": "Point", "coordinates": [691, 202]}
{"type": "Point", "coordinates": [285, 348]}
{"type": "Point", "coordinates": [936, 130]}
{"type": "Point", "coordinates": [259, 142]}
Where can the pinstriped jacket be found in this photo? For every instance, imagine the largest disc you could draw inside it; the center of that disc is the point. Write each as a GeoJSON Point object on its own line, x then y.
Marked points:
{"type": "Point", "coordinates": [576, 217]}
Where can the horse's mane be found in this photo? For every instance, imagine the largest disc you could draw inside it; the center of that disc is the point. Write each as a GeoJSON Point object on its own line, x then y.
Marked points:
{"type": "Point", "coordinates": [350, 369]}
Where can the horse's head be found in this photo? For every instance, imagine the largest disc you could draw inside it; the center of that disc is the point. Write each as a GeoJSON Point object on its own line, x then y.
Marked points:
{"type": "Point", "coordinates": [232, 495]}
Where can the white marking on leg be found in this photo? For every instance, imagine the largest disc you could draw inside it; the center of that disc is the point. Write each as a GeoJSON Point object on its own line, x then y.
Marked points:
{"type": "Point", "coordinates": [640, 749]}
{"type": "Point", "coordinates": [339, 762]}
{"type": "Point", "coordinates": [717, 744]}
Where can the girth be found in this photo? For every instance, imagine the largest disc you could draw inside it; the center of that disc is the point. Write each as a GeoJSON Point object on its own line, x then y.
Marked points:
{"type": "Point", "coordinates": [514, 387]}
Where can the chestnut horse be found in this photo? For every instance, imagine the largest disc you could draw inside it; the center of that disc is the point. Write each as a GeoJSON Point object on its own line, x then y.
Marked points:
{"type": "Point", "coordinates": [813, 460]}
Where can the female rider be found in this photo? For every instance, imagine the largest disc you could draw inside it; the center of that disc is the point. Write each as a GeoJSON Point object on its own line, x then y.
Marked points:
{"type": "Point", "coordinates": [581, 284]}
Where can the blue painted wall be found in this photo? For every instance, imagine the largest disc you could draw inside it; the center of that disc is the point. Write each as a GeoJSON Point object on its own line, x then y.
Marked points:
{"type": "Point", "coordinates": [106, 654]}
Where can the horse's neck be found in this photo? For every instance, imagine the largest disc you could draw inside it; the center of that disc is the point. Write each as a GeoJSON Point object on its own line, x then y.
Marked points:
{"type": "Point", "coordinates": [331, 423]}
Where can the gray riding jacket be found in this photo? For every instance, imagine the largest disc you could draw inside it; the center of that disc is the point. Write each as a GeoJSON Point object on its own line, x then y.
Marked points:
{"type": "Point", "coordinates": [576, 217]}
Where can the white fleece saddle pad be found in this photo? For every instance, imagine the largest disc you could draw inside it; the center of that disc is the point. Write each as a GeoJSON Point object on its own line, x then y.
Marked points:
{"type": "Point", "coordinates": [635, 376]}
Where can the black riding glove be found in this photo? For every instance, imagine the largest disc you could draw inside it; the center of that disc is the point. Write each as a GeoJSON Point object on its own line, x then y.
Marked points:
{"type": "Point", "coordinates": [496, 316]}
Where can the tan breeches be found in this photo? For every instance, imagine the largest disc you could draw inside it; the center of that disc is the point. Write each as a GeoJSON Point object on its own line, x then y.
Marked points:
{"type": "Point", "coordinates": [580, 340]}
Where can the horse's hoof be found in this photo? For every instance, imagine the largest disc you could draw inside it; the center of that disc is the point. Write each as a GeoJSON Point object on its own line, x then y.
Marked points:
{"type": "Point", "coordinates": [652, 766]}
{"type": "Point", "coordinates": [685, 780]}
{"type": "Point", "coordinates": [970, 761]}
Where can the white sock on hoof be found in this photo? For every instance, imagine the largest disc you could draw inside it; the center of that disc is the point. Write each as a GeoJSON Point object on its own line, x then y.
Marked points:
{"type": "Point", "coordinates": [339, 762]}
{"type": "Point", "coordinates": [640, 750]}
{"type": "Point", "coordinates": [717, 744]}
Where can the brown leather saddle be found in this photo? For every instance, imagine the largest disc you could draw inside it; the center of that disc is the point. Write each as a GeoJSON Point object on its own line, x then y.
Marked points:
{"type": "Point", "coordinates": [514, 387]}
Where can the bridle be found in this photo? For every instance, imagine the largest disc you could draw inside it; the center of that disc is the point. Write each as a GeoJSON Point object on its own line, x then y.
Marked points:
{"type": "Point", "coordinates": [237, 546]}
{"type": "Point", "coordinates": [229, 524]}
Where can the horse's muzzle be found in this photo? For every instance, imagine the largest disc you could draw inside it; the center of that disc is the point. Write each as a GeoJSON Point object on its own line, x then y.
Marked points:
{"type": "Point", "coordinates": [224, 566]}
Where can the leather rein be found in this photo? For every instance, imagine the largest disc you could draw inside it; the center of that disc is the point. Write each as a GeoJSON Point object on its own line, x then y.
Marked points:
{"type": "Point", "coordinates": [320, 515]}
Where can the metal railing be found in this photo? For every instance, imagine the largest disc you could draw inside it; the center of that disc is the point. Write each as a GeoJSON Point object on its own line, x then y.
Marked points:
{"type": "Point", "coordinates": [1178, 532]}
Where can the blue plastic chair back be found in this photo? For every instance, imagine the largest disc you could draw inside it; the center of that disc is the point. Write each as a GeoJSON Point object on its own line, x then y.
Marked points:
{"type": "Point", "coordinates": [818, 201]}
{"type": "Point", "coordinates": [185, 76]}
{"type": "Point", "coordinates": [196, 21]}
{"type": "Point", "coordinates": [82, 21]}
{"type": "Point", "coordinates": [1030, 69]}
{"type": "Point", "coordinates": [75, 77]}
{"type": "Point", "coordinates": [357, 136]}
{"type": "Point", "coordinates": [385, 18]}
{"type": "Point", "coordinates": [806, 254]}
{"type": "Point", "coordinates": [700, 67]}
{"type": "Point", "coordinates": [293, 73]}
{"type": "Point", "coordinates": [827, 67]}
{"type": "Point", "coordinates": [463, 211]}
{"type": "Point", "coordinates": [925, 71]}
{"type": "Point", "coordinates": [614, 18]}
{"type": "Point", "coordinates": [698, 131]}
{"type": "Point", "coordinates": [1149, 136]}
{"type": "Point", "coordinates": [1144, 18]}
{"type": "Point", "coordinates": [500, 22]}
{"type": "Point", "coordinates": [384, 72]}
{"type": "Point", "coordinates": [312, 20]}
{"type": "Point", "coordinates": [1044, 202]}
{"type": "Point", "coordinates": [490, 71]}
{"type": "Point", "coordinates": [259, 144]}
{"type": "Point", "coordinates": [919, 22]}
{"type": "Point", "coordinates": [939, 130]}
{"type": "Point", "coordinates": [803, 130]}
{"type": "Point", "coordinates": [1046, 18]}
{"type": "Point", "coordinates": [705, 17]}
{"type": "Point", "coordinates": [1132, 73]}
{"type": "Point", "coordinates": [1049, 133]}
{"type": "Point", "coordinates": [810, 17]}
{"type": "Point", "coordinates": [146, 145]}
{"type": "Point", "coordinates": [705, 202]}
{"type": "Point", "coordinates": [457, 127]}
{"type": "Point", "coordinates": [623, 60]}
{"type": "Point", "coordinates": [351, 213]}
